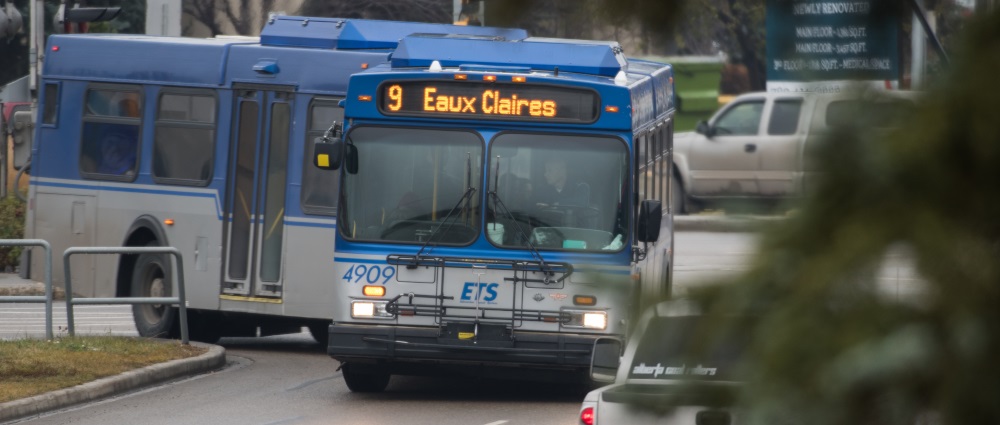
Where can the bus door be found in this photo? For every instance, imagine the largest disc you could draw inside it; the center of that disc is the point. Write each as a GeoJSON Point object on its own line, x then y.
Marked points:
{"type": "Point", "coordinates": [256, 191]}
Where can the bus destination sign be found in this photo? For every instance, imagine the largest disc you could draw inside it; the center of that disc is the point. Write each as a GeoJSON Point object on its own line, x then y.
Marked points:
{"type": "Point", "coordinates": [489, 100]}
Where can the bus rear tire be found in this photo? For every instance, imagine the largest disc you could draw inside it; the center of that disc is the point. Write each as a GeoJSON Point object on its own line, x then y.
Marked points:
{"type": "Point", "coordinates": [365, 379]}
{"type": "Point", "coordinates": [150, 278]}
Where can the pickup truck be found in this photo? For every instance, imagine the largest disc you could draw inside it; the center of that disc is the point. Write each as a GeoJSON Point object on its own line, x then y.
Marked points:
{"type": "Point", "coordinates": [755, 148]}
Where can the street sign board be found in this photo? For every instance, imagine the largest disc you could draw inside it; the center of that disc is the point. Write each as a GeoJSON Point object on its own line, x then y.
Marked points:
{"type": "Point", "coordinates": [822, 45]}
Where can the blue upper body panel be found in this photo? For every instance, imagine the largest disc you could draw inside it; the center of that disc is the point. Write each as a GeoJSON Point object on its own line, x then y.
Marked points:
{"type": "Point", "coordinates": [186, 61]}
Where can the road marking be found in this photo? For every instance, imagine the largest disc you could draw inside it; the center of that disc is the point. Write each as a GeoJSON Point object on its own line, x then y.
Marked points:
{"type": "Point", "coordinates": [497, 423]}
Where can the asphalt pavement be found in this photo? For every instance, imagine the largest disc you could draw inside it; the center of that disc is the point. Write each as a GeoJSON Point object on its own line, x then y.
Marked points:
{"type": "Point", "coordinates": [27, 320]}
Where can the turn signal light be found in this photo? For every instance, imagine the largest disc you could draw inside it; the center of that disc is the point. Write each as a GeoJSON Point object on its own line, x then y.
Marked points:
{"type": "Point", "coordinates": [374, 291]}
{"type": "Point", "coordinates": [610, 108]}
{"type": "Point", "coordinates": [584, 300]}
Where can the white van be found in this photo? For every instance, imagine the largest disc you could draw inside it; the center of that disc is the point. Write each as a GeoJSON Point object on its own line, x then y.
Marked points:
{"type": "Point", "coordinates": [675, 370]}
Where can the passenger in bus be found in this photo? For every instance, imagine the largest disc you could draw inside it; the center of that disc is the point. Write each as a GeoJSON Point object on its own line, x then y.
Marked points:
{"type": "Point", "coordinates": [118, 152]}
{"type": "Point", "coordinates": [558, 190]}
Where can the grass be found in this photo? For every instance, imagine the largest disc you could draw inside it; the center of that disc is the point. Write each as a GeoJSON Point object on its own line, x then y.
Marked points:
{"type": "Point", "coordinates": [30, 367]}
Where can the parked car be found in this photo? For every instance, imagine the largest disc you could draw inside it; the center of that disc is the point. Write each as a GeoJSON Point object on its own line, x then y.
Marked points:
{"type": "Point", "coordinates": [676, 369]}
{"type": "Point", "coordinates": [755, 148]}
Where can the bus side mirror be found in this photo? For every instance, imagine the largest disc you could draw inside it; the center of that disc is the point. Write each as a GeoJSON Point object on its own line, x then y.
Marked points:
{"type": "Point", "coordinates": [605, 359]}
{"type": "Point", "coordinates": [326, 155]}
{"type": "Point", "coordinates": [650, 215]}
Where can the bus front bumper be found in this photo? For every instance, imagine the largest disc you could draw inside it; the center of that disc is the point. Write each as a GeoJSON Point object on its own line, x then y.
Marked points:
{"type": "Point", "coordinates": [489, 344]}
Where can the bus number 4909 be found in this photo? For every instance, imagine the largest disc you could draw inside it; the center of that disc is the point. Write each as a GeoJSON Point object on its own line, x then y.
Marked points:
{"type": "Point", "coordinates": [370, 274]}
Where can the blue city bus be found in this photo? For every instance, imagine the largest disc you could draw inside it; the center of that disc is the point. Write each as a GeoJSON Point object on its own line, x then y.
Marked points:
{"type": "Point", "coordinates": [201, 144]}
{"type": "Point", "coordinates": [500, 207]}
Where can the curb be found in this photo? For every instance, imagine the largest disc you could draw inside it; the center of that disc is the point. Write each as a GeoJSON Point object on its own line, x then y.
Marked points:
{"type": "Point", "coordinates": [148, 376]}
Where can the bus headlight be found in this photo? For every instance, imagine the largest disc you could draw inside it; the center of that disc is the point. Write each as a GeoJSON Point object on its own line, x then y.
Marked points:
{"type": "Point", "coordinates": [587, 319]}
{"type": "Point", "coordinates": [369, 310]}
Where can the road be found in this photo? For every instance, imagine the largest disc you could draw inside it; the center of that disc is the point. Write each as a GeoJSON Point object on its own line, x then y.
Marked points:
{"type": "Point", "coordinates": [289, 380]}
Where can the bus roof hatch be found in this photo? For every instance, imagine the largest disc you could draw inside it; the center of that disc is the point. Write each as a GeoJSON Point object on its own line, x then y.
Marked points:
{"type": "Point", "coordinates": [339, 33]}
{"type": "Point", "coordinates": [542, 54]}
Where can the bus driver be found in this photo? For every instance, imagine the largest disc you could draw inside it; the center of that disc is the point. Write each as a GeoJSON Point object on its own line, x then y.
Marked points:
{"type": "Point", "coordinates": [557, 189]}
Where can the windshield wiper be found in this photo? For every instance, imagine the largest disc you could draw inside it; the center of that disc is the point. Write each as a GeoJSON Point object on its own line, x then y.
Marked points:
{"type": "Point", "coordinates": [548, 271]}
{"type": "Point", "coordinates": [466, 198]}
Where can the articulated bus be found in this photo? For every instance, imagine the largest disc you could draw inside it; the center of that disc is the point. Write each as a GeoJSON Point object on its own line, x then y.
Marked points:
{"type": "Point", "coordinates": [200, 144]}
{"type": "Point", "coordinates": [500, 207]}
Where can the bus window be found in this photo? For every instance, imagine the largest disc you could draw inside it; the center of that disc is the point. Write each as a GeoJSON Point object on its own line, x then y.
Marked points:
{"type": "Point", "coordinates": [409, 181]}
{"type": "Point", "coordinates": [558, 191]}
{"type": "Point", "coordinates": [319, 187]}
{"type": "Point", "coordinates": [183, 144]}
{"type": "Point", "coordinates": [50, 110]}
{"type": "Point", "coordinates": [110, 137]}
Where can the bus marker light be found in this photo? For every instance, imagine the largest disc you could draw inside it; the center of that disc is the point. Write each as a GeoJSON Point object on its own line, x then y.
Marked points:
{"type": "Point", "coordinates": [373, 290]}
{"type": "Point", "coordinates": [584, 300]}
{"type": "Point", "coordinates": [461, 77]}
{"type": "Point", "coordinates": [169, 222]}
{"type": "Point", "coordinates": [364, 66]}
{"type": "Point", "coordinates": [587, 416]}
{"type": "Point", "coordinates": [490, 78]}
{"type": "Point", "coordinates": [364, 98]}
{"type": "Point", "coordinates": [611, 109]}
{"type": "Point", "coordinates": [55, 48]}
{"type": "Point", "coordinates": [519, 79]}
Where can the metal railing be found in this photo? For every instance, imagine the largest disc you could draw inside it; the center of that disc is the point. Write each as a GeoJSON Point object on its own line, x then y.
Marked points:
{"type": "Point", "coordinates": [47, 298]}
{"type": "Point", "coordinates": [180, 300]}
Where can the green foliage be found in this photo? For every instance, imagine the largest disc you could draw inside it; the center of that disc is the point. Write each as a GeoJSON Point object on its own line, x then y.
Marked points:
{"type": "Point", "coordinates": [833, 344]}
{"type": "Point", "coordinates": [11, 227]}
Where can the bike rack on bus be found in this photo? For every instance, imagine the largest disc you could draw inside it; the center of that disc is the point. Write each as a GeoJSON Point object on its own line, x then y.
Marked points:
{"type": "Point", "coordinates": [180, 300]}
{"type": "Point", "coordinates": [47, 298]}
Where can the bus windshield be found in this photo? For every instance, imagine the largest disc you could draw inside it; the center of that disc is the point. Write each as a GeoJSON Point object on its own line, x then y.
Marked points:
{"type": "Point", "coordinates": [408, 182]}
{"type": "Point", "coordinates": [558, 192]}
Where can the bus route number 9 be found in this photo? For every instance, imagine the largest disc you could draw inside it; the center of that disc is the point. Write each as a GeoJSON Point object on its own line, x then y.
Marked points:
{"type": "Point", "coordinates": [371, 274]}
{"type": "Point", "coordinates": [395, 98]}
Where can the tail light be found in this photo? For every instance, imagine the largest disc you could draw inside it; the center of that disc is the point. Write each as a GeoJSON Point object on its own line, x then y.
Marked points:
{"type": "Point", "coordinates": [587, 416]}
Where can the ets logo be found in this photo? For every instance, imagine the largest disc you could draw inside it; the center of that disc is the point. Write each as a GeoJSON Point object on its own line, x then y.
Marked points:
{"type": "Point", "coordinates": [485, 292]}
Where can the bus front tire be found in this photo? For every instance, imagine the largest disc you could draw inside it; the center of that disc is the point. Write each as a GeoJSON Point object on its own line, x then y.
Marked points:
{"type": "Point", "coordinates": [150, 279]}
{"type": "Point", "coordinates": [364, 379]}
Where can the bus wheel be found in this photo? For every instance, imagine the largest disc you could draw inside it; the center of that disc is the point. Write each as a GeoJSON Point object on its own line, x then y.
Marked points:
{"type": "Point", "coordinates": [364, 379]}
{"type": "Point", "coordinates": [149, 279]}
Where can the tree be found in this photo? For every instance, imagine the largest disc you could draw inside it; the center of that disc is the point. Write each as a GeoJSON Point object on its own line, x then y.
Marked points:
{"type": "Point", "coordinates": [830, 346]}
{"type": "Point", "coordinates": [439, 11]}
{"type": "Point", "coordinates": [223, 17]}
{"type": "Point", "coordinates": [14, 51]}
